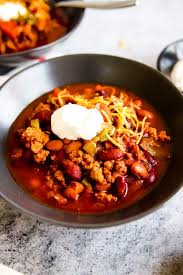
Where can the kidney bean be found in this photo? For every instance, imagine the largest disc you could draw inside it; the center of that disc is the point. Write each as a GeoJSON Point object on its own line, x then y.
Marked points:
{"type": "Point", "coordinates": [150, 158]}
{"type": "Point", "coordinates": [73, 146]}
{"type": "Point", "coordinates": [144, 112]}
{"type": "Point", "coordinates": [71, 169]}
{"type": "Point", "coordinates": [102, 187]}
{"type": "Point", "coordinates": [102, 93]}
{"type": "Point", "coordinates": [54, 145]}
{"type": "Point", "coordinates": [73, 190]}
{"type": "Point", "coordinates": [59, 156]}
{"type": "Point", "coordinates": [135, 185]}
{"type": "Point", "coordinates": [139, 169]}
{"type": "Point", "coordinates": [110, 154]}
{"type": "Point", "coordinates": [122, 186]}
{"type": "Point", "coordinates": [152, 176]}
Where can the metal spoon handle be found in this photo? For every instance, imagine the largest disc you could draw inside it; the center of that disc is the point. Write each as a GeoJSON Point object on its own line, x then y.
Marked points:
{"type": "Point", "coordinates": [97, 4]}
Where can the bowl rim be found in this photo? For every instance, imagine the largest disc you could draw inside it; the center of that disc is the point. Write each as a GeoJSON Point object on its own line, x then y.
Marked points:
{"type": "Point", "coordinates": [104, 224]}
{"type": "Point", "coordinates": [48, 45]}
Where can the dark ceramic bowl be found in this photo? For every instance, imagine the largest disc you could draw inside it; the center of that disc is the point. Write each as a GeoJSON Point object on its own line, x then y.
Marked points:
{"type": "Point", "coordinates": [75, 16]}
{"type": "Point", "coordinates": [146, 82]}
{"type": "Point", "coordinates": [169, 56]}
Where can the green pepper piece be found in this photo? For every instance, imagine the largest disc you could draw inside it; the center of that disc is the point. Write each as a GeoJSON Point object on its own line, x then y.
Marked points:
{"type": "Point", "coordinates": [85, 182]}
{"type": "Point", "coordinates": [35, 123]}
{"type": "Point", "coordinates": [90, 147]}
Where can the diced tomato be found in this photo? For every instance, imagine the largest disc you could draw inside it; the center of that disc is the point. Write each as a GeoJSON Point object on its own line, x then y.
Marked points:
{"type": "Point", "coordinates": [56, 91]}
{"type": "Point", "coordinates": [10, 28]}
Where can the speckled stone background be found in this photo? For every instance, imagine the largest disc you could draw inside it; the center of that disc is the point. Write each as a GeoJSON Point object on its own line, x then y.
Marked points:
{"type": "Point", "coordinates": [150, 246]}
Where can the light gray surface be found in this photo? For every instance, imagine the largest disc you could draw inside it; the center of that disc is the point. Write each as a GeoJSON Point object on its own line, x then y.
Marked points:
{"type": "Point", "coordinates": [153, 245]}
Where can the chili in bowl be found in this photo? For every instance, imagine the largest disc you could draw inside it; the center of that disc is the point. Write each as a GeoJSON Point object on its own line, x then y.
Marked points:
{"type": "Point", "coordinates": [90, 147]}
{"type": "Point", "coordinates": [28, 29]}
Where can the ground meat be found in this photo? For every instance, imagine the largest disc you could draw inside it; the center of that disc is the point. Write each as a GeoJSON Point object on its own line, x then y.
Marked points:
{"type": "Point", "coordinates": [138, 153]}
{"type": "Point", "coordinates": [128, 159]}
{"type": "Point", "coordinates": [49, 180]}
{"type": "Point", "coordinates": [109, 164]}
{"type": "Point", "coordinates": [51, 183]}
{"type": "Point", "coordinates": [42, 106]}
{"type": "Point", "coordinates": [41, 156]}
{"type": "Point", "coordinates": [36, 146]}
{"type": "Point", "coordinates": [108, 175]}
{"type": "Point", "coordinates": [108, 145]}
{"type": "Point", "coordinates": [87, 161]}
{"type": "Point", "coordinates": [152, 132]}
{"type": "Point", "coordinates": [57, 196]}
{"type": "Point", "coordinates": [84, 159]}
{"type": "Point", "coordinates": [53, 157]}
{"type": "Point", "coordinates": [163, 136]}
{"type": "Point", "coordinates": [126, 139]}
{"type": "Point", "coordinates": [129, 142]}
{"type": "Point", "coordinates": [76, 156]}
{"type": "Point", "coordinates": [96, 173]}
{"type": "Point", "coordinates": [60, 177]}
{"type": "Point", "coordinates": [103, 197]}
{"type": "Point", "coordinates": [121, 167]}
{"type": "Point", "coordinates": [33, 138]}
{"type": "Point", "coordinates": [42, 112]}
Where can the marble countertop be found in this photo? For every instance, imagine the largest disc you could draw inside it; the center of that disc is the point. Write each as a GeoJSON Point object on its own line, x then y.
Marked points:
{"type": "Point", "coordinates": [150, 246]}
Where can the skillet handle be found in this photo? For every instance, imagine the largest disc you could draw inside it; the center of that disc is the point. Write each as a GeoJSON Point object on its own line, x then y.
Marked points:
{"type": "Point", "coordinates": [4, 69]}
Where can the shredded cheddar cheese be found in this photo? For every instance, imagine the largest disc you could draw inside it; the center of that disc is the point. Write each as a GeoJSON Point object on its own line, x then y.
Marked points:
{"type": "Point", "coordinates": [123, 112]}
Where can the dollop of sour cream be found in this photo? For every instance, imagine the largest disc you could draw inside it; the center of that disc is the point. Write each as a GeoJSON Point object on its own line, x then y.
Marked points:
{"type": "Point", "coordinates": [11, 10]}
{"type": "Point", "coordinates": [177, 75]}
{"type": "Point", "coordinates": [73, 121]}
